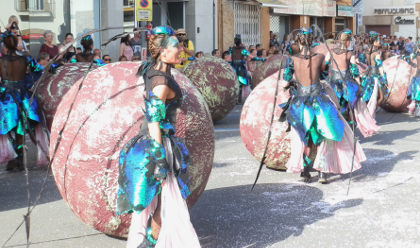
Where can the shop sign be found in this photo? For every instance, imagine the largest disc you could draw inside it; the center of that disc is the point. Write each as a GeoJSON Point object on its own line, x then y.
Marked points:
{"type": "Point", "coordinates": [404, 20]}
{"type": "Point", "coordinates": [144, 10]}
{"type": "Point", "coordinates": [308, 8]}
{"type": "Point", "coordinates": [344, 10]}
{"type": "Point", "coordinates": [394, 11]}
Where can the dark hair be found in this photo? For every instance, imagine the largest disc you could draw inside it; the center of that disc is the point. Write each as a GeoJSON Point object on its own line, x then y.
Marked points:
{"type": "Point", "coordinates": [79, 48]}
{"type": "Point", "coordinates": [11, 43]}
{"type": "Point", "coordinates": [259, 52]}
{"type": "Point", "coordinates": [199, 53]}
{"type": "Point", "coordinates": [156, 42]}
{"type": "Point", "coordinates": [126, 39]}
{"type": "Point", "coordinates": [87, 43]}
{"type": "Point", "coordinates": [103, 57]}
{"type": "Point", "coordinates": [214, 52]}
{"type": "Point", "coordinates": [43, 56]}
{"type": "Point", "coordinates": [225, 53]}
{"type": "Point", "coordinates": [122, 57]}
{"type": "Point", "coordinates": [68, 35]}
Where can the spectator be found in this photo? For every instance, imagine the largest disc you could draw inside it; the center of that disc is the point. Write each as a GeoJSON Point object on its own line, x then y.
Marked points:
{"type": "Point", "coordinates": [199, 54]}
{"type": "Point", "coordinates": [401, 44]}
{"type": "Point", "coordinates": [123, 58]}
{"type": "Point", "coordinates": [78, 50]}
{"type": "Point", "coordinates": [135, 58]}
{"type": "Point", "coordinates": [188, 50]}
{"type": "Point", "coordinates": [97, 52]}
{"type": "Point", "coordinates": [258, 47]}
{"type": "Point", "coordinates": [227, 56]}
{"type": "Point", "coordinates": [107, 59]}
{"type": "Point", "coordinates": [135, 43]}
{"type": "Point", "coordinates": [48, 46]}
{"type": "Point", "coordinates": [215, 53]}
{"type": "Point", "coordinates": [251, 47]}
{"type": "Point", "coordinates": [71, 51]}
{"type": "Point", "coordinates": [252, 64]}
{"type": "Point", "coordinates": [274, 42]}
{"type": "Point", "coordinates": [125, 48]}
{"type": "Point", "coordinates": [43, 59]}
{"type": "Point", "coordinates": [14, 28]}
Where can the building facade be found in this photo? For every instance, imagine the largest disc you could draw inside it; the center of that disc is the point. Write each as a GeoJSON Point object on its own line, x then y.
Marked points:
{"type": "Point", "coordinates": [393, 17]}
{"type": "Point", "coordinates": [254, 19]}
{"type": "Point", "coordinates": [65, 16]}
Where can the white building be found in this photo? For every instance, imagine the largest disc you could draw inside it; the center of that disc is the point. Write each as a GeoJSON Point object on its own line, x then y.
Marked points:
{"type": "Point", "coordinates": [391, 17]}
{"type": "Point", "coordinates": [64, 16]}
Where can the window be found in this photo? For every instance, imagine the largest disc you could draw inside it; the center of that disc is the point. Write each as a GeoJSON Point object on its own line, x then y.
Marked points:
{"type": "Point", "coordinates": [32, 5]}
{"type": "Point", "coordinates": [247, 23]}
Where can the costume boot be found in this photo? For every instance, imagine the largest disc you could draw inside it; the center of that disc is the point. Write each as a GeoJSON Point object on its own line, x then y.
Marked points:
{"type": "Point", "coordinates": [322, 178]}
{"type": "Point", "coordinates": [17, 163]}
{"type": "Point", "coordinates": [149, 241]}
{"type": "Point", "coordinates": [307, 166]}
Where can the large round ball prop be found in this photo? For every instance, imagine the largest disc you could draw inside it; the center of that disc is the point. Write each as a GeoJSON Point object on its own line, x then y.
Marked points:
{"type": "Point", "coordinates": [52, 89]}
{"type": "Point", "coordinates": [269, 67]}
{"type": "Point", "coordinates": [255, 124]}
{"type": "Point", "coordinates": [106, 114]}
{"type": "Point", "coordinates": [217, 82]}
{"type": "Point", "coordinates": [399, 74]}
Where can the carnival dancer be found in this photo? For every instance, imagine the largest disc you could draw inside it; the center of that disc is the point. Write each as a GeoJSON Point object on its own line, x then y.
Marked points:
{"type": "Point", "coordinates": [321, 138]}
{"type": "Point", "coordinates": [87, 55]}
{"type": "Point", "coordinates": [414, 89]}
{"type": "Point", "coordinates": [16, 115]}
{"type": "Point", "coordinates": [344, 78]}
{"type": "Point", "coordinates": [153, 165]}
{"type": "Point", "coordinates": [239, 57]}
{"type": "Point", "coordinates": [375, 84]}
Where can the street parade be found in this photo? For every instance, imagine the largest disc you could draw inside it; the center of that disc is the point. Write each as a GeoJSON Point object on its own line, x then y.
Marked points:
{"type": "Point", "coordinates": [267, 123]}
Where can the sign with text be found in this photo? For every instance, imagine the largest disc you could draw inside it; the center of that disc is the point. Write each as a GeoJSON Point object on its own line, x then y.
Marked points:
{"type": "Point", "coordinates": [144, 10]}
{"type": "Point", "coordinates": [404, 20]}
{"type": "Point", "coordinates": [308, 7]}
{"type": "Point", "coordinates": [395, 11]}
{"type": "Point", "coordinates": [344, 10]}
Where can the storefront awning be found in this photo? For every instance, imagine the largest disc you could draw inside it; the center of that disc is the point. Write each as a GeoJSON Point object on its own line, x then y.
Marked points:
{"type": "Point", "coordinates": [274, 3]}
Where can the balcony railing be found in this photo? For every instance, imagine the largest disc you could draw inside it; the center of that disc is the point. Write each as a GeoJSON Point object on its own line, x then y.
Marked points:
{"type": "Point", "coordinates": [34, 5]}
{"type": "Point", "coordinates": [128, 3]}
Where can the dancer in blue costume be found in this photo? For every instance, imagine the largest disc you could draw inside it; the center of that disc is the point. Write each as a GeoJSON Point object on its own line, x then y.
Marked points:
{"type": "Point", "coordinates": [414, 89]}
{"type": "Point", "coordinates": [156, 158]}
{"type": "Point", "coordinates": [16, 115]}
{"type": "Point", "coordinates": [376, 81]}
{"type": "Point", "coordinates": [317, 125]}
{"type": "Point", "coordinates": [239, 57]}
{"type": "Point", "coordinates": [348, 91]}
{"type": "Point", "coordinates": [344, 79]}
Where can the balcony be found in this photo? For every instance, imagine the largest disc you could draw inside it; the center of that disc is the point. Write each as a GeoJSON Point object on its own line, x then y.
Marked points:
{"type": "Point", "coordinates": [36, 8]}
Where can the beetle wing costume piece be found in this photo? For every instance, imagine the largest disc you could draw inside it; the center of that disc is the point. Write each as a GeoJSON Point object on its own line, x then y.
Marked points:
{"type": "Point", "coordinates": [313, 115]}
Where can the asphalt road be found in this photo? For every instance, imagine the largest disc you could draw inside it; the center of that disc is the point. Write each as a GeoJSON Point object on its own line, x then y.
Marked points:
{"type": "Point", "coordinates": [381, 209]}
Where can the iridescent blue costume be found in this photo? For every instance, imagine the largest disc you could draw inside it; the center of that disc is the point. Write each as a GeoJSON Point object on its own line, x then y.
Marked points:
{"type": "Point", "coordinates": [239, 64]}
{"type": "Point", "coordinates": [414, 89]}
{"type": "Point", "coordinates": [15, 95]}
{"type": "Point", "coordinates": [368, 82]}
{"type": "Point", "coordinates": [347, 91]}
{"type": "Point", "coordinates": [311, 112]}
{"type": "Point", "coordinates": [144, 163]}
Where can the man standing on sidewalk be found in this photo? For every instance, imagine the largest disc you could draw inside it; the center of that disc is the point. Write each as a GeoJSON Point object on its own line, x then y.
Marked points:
{"type": "Point", "coordinates": [188, 48]}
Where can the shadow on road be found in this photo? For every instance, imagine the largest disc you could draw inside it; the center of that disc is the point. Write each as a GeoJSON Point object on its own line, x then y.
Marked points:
{"type": "Point", "coordinates": [388, 137]}
{"type": "Point", "coordinates": [237, 217]}
{"type": "Point", "coordinates": [13, 189]}
{"type": "Point", "coordinates": [379, 163]}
